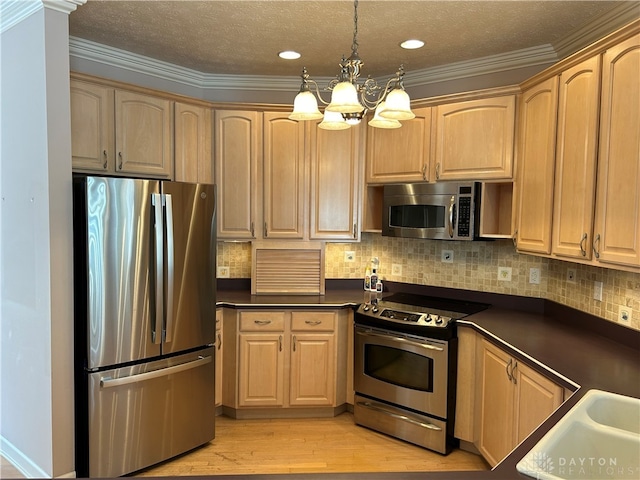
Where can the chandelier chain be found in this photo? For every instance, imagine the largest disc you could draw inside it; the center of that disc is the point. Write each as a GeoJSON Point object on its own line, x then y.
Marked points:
{"type": "Point", "coordinates": [354, 45]}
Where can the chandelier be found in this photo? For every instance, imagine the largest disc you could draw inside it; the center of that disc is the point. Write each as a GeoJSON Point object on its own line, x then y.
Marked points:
{"type": "Point", "coordinates": [350, 100]}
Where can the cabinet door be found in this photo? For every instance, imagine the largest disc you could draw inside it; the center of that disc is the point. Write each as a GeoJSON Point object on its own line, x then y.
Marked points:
{"type": "Point", "coordinates": [576, 159]}
{"type": "Point", "coordinates": [335, 183]}
{"type": "Point", "coordinates": [193, 131]}
{"type": "Point", "coordinates": [495, 413]}
{"type": "Point", "coordinates": [284, 177]}
{"type": "Point", "coordinates": [536, 153]}
{"type": "Point", "coordinates": [144, 135]}
{"type": "Point", "coordinates": [401, 154]}
{"type": "Point", "coordinates": [313, 375]}
{"type": "Point", "coordinates": [92, 134]}
{"type": "Point", "coordinates": [617, 221]}
{"type": "Point", "coordinates": [237, 159]}
{"type": "Point", "coordinates": [474, 139]}
{"type": "Point", "coordinates": [261, 370]}
{"type": "Point", "coordinates": [537, 397]}
{"type": "Point", "coordinates": [218, 358]}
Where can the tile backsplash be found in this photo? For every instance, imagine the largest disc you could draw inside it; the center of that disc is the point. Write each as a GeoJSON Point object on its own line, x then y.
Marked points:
{"type": "Point", "coordinates": [474, 267]}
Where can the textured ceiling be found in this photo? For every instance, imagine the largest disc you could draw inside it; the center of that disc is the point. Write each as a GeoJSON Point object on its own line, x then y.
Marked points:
{"type": "Point", "coordinates": [243, 37]}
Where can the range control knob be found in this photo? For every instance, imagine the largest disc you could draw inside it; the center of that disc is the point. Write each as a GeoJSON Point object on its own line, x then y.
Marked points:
{"type": "Point", "coordinates": [435, 318]}
{"type": "Point", "coordinates": [439, 320]}
{"type": "Point", "coordinates": [365, 308]}
{"type": "Point", "coordinates": [374, 309]}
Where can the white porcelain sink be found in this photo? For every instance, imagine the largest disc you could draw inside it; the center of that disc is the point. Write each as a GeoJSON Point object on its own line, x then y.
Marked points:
{"type": "Point", "coordinates": [599, 438]}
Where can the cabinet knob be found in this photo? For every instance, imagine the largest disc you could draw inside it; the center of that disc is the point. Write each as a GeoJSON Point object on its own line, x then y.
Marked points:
{"type": "Point", "coordinates": [120, 157]}
{"type": "Point", "coordinates": [104, 154]}
{"type": "Point", "coordinates": [424, 172]}
{"type": "Point", "coordinates": [438, 171]}
{"type": "Point", "coordinates": [596, 243]}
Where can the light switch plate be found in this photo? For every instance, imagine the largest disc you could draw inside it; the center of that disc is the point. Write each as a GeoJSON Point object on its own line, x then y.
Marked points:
{"type": "Point", "coordinates": [597, 290]}
{"type": "Point", "coordinates": [534, 275]}
{"type": "Point", "coordinates": [396, 269]}
{"type": "Point", "coordinates": [349, 256]}
{"type": "Point", "coordinates": [223, 272]}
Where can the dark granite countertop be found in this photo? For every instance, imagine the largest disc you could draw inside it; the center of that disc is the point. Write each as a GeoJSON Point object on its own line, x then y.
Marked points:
{"type": "Point", "coordinates": [578, 349]}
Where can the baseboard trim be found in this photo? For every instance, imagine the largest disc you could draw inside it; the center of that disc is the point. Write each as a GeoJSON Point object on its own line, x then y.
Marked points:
{"type": "Point", "coordinates": [20, 461]}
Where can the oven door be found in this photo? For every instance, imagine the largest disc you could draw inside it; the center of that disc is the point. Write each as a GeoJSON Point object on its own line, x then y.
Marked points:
{"type": "Point", "coordinates": [402, 369]}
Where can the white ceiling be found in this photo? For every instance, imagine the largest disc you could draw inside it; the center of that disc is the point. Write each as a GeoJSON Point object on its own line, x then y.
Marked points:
{"type": "Point", "coordinates": [243, 37]}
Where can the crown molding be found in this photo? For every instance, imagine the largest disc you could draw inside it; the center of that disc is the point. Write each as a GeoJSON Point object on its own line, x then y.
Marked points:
{"type": "Point", "coordinates": [547, 54]}
{"type": "Point", "coordinates": [64, 6]}
{"type": "Point", "coordinates": [619, 16]}
{"type": "Point", "coordinates": [527, 57]}
{"type": "Point", "coordinates": [13, 12]}
{"type": "Point", "coordinates": [114, 57]}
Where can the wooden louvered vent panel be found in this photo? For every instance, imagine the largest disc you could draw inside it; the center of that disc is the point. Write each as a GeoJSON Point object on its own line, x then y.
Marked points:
{"type": "Point", "coordinates": [288, 268]}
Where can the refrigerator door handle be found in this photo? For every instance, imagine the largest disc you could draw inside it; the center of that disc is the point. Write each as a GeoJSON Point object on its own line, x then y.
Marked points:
{"type": "Point", "coordinates": [170, 268]}
{"type": "Point", "coordinates": [158, 228]}
{"type": "Point", "coordinates": [163, 372]}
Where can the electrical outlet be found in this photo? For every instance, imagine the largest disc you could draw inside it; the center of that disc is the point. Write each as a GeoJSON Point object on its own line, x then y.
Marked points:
{"type": "Point", "coordinates": [571, 275]}
{"type": "Point", "coordinates": [447, 256]}
{"type": "Point", "coordinates": [223, 272]}
{"type": "Point", "coordinates": [597, 290]}
{"type": "Point", "coordinates": [504, 274]}
{"type": "Point", "coordinates": [349, 256]}
{"type": "Point", "coordinates": [624, 315]}
{"type": "Point", "coordinates": [396, 269]}
{"type": "Point", "coordinates": [534, 275]}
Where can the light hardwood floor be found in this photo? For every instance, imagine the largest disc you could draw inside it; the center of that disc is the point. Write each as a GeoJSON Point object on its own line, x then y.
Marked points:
{"type": "Point", "coordinates": [326, 445]}
{"type": "Point", "coordinates": [7, 470]}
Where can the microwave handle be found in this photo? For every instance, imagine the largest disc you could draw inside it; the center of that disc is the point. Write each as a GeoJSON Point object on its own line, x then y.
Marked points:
{"type": "Point", "coordinates": [452, 215]}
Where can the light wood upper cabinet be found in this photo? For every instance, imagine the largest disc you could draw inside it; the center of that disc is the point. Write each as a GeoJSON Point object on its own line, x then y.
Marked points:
{"type": "Point", "coordinates": [335, 184]}
{"type": "Point", "coordinates": [193, 133]}
{"type": "Point", "coordinates": [617, 215]}
{"type": "Point", "coordinates": [92, 127]}
{"type": "Point", "coordinates": [238, 160]}
{"type": "Point", "coordinates": [575, 169]}
{"type": "Point", "coordinates": [512, 401]}
{"type": "Point", "coordinates": [144, 134]}
{"type": "Point", "coordinates": [401, 154]}
{"type": "Point", "coordinates": [474, 139]}
{"type": "Point", "coordinates": [285, 195]}
{"type": "Point", "coordinates": [536, 154]}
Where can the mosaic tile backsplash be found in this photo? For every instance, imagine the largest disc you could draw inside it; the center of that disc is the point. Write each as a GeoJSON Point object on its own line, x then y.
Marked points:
{"type": "Point", "coordinates": [474, 267]}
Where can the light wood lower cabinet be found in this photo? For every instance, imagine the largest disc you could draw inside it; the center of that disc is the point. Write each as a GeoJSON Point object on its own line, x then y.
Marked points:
{"type": "Point", "coordinates": [285, 359]}
{"type": "Point", "coordinates": [499, 399]}
{"type": "Point", "coordinates": [512, 400]}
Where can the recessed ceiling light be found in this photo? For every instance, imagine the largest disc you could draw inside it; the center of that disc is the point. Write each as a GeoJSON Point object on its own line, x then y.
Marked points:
{"type": "Point", "coordinates": [289, 55]}
{"type": "Point", "coordinates": [412, 44]}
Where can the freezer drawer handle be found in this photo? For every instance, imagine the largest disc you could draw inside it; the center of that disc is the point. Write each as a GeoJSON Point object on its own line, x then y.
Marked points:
{"type": "Point", "coordinates": [377, 408]}
{"type": "Point", "coordinates": [108, 382]}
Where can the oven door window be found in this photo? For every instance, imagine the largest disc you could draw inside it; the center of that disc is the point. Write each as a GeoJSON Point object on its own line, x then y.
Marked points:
{"type": "Point", "coordinates": [417, 216]}
{"type": "Point", "coordinates": [399, 367]}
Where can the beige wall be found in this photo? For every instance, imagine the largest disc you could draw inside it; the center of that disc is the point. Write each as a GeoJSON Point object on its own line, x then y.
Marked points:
{"type": "Point", "coordinates": [475, 267]}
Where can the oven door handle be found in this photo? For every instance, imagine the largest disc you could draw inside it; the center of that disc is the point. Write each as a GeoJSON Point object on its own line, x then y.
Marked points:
{"type": "Point", "coordinates": [401, 340]}
{"type": "Point", "coordinates": [380, 409]}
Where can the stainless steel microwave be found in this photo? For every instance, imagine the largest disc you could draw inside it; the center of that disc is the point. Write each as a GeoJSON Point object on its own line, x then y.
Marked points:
{"type": "Point", "coordinates": [443, 211]}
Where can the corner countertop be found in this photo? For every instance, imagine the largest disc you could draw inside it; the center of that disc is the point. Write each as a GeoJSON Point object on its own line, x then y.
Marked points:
{"type": "Point", "coordinates": [577, 349]}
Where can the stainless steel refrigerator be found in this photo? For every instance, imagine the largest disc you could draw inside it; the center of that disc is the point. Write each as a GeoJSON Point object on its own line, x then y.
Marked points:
{"type": "Point", "coordinates": [144, 286]}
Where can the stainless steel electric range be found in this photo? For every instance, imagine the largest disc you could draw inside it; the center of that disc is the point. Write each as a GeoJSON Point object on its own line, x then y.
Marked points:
{"type": "Point", "coordinates": [405, 367]}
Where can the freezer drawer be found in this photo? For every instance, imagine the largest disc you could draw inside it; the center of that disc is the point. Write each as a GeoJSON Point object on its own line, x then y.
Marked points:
{"type": "Point", "coordinates": [144, 414]}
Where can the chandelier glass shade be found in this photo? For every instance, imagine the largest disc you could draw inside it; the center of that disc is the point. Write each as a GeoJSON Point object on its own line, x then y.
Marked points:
{"type": "Point", "coordinates": [352, 99]}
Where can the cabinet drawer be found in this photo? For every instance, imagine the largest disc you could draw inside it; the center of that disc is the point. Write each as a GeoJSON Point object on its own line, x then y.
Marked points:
{"type": "Point", "coordinates": [262, 321]}
{"type": "Point", "coordinates": [313, 321]}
